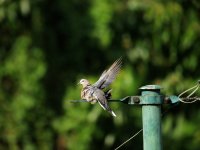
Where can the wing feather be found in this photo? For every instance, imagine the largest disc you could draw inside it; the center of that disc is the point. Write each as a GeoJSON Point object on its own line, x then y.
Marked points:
{"type": "Point", "coordinates": [109, 75]}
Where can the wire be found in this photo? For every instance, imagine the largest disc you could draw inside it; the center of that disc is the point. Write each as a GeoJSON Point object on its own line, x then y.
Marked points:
{"type": "Point", "coordinates": [188, 90]}
{"type": "Point", "coordinates": [194, 99]}
{"type": "Point", "coordinates": [193, 92]}
{"type": "Point", "coordinates": [129, 139]}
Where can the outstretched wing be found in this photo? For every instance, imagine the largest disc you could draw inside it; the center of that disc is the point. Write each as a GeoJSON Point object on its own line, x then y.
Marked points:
{"type": "Point", "coordinates": [109, 75]}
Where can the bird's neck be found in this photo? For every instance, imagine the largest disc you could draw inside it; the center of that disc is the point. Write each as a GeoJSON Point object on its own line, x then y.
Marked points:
{"type": "Point", "coordinates": [86, 85]}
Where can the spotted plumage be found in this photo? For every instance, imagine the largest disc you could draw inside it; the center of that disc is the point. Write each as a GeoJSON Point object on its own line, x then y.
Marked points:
{"type": "Point", "coordinates": [94, 93]}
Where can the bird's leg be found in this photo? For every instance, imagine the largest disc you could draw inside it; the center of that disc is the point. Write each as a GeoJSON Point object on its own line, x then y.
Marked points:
{"type": "Point", "coordinates": [108, 94]}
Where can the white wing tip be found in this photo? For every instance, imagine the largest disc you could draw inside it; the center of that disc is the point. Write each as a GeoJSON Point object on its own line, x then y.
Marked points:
{"type": "Point", "coordinates": [113, 114]}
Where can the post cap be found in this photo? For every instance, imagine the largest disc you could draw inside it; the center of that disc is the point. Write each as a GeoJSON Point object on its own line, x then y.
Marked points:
{"type": "Point", "coordinates": [150, 87]}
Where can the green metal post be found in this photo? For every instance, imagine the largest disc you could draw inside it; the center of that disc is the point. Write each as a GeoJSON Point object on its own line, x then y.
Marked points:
{"type": "Point", "coordinates": [151, 117]}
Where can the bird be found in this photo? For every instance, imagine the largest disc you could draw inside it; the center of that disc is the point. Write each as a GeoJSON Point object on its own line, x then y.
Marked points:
{"type": "Point", "coordinates": [94, 93]}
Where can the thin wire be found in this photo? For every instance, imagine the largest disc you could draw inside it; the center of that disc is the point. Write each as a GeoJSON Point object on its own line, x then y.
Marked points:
{"type": "Point", "coordinates": [196, 88]}
{"type": "Point", "coordinates": [188, 90]}
{"type": "Point", "coordinates": [187, 102]}
{"type": "Point", "coordinates": [129, 139]}
{"type": "Point", "coordinates": [193, 92]}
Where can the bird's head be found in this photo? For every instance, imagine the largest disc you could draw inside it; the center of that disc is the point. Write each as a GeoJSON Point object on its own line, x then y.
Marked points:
{"type": "Point", "coordinates": [84, 82]}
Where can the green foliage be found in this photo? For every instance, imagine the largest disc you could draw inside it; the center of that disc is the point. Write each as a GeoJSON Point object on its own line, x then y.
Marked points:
{"type": "Point", "coordinates": [47, 47]}
{"type": "Point", "coordinates": [101, 13]}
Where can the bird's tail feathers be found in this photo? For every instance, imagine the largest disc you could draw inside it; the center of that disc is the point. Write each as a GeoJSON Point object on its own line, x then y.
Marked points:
{"type": "Point", "coordinates": [112, 113]}
{"type": "Point", "coordinates": [106, 107]}
{"type": "Point", "coordinates": [102, 105]}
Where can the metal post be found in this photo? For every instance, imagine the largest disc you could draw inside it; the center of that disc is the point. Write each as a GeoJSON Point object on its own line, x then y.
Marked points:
{"type": "Point", "coordinates": [151, 117]}
{"type": "Point", "coordinates": [151, 102]}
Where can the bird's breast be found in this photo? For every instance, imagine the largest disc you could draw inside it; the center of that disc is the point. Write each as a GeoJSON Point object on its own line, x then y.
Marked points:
{"type": "Point", "coordinates": [88, 94]}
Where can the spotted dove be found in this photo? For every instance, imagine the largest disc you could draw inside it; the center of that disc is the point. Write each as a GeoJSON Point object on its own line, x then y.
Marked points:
{"type": "Point", "coordinates": [94, 92]}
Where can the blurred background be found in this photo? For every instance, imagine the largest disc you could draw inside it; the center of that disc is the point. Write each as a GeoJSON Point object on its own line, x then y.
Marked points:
{"type": "Point", "coordinates": [46, 47]}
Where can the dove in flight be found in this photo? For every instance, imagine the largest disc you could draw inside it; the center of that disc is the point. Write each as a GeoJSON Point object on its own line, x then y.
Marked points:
{"type": "Point", "coordinates": [94, 92]}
